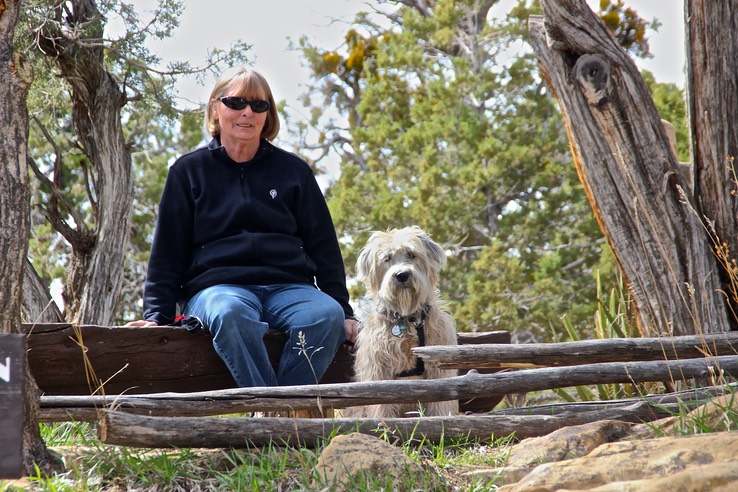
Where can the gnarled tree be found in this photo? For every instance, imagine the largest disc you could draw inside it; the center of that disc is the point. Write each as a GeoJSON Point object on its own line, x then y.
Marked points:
{"type": "Point", "coordinates": [643, 203]}
{"type": "Point", "coordinates": [98, 245]}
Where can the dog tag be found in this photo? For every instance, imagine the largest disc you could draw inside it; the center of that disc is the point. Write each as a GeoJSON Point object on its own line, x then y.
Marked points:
{"type": "Point", "coordinates": [398, 330]}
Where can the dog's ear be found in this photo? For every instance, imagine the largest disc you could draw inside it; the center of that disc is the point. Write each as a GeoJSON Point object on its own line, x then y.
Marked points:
{"type": "Point", "coordinates": [436, 253]}
{"type": "Point", "coordinates": [365, 261]}
{"type": "Point", "coordinates": [363, 265]}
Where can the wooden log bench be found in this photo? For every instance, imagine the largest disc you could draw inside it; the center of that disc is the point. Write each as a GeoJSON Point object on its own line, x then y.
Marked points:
{"type": "Point", "coordinates": [79, 360]}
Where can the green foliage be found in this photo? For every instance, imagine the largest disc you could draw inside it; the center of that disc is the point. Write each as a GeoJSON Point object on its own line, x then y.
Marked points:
{"type": "Point", "coordinates": [151, 161]}
{"type": "Point", "coordinates": [627, 26]}
{"type": "Point", "coordinates": [718, 416]}
{"type": "Point", "coordinates": [614, 318]}
{"type": "Point", "coordinates": [451, 128]}
{"type": "Point", "coordinates": [670, 100]}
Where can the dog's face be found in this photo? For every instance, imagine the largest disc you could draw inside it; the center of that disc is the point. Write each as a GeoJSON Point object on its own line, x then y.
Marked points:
{"type": "Point", "coordinates": [400, 268]}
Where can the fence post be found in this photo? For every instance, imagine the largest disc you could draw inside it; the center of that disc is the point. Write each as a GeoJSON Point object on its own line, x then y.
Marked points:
{"type": "Point", "coordinates": [12, 403]}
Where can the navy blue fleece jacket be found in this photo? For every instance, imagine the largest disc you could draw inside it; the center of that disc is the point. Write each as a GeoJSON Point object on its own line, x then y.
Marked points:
{"type": "Point", "coordinates": [260, 222]}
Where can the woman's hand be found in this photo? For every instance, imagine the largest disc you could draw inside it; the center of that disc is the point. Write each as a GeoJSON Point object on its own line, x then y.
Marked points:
{"type": "Point", "coordinates": [352, 328]}
{"type": "Point", "coordinates": [141, 322]}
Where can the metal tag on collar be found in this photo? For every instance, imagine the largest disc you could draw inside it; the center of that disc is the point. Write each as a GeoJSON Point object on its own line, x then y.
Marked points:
{"type": "Point", "coordinates": [399, 329]}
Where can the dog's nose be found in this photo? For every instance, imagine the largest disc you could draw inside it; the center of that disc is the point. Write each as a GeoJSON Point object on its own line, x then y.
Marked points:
{"type": "Point", "coordinates": [402, 277]}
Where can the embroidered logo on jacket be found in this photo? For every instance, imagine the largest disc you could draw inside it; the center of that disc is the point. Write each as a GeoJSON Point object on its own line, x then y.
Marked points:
{"type": "Point", "coordinates": [273, 193]}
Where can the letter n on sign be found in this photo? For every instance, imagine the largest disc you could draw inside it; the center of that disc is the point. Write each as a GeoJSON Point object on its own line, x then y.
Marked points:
{"type": "Point", "coordinates": [12, 403]}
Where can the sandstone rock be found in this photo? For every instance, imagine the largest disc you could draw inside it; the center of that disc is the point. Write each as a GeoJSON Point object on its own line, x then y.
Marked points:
{"type": "Point", "coordinates": [347, 457]}
{"type": "Point", "coordinates": [715, 478]}
{"type": "Point", "coordinates": [566, 443]}
{"type": "Point", "coordinates": [630, 461]}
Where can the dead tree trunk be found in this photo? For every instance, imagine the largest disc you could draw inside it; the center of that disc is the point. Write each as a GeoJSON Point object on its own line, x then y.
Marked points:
{"type": "Point", "coordinates": [712, 82]}
{"type": "Point", "coordinates": [96, 270]}
{"type": "Point", "coordinates": [629, 173]}
{"type": "Point", "coordinates": [15, 78]}
{"type": "Point", "coordinates": [37, 305]}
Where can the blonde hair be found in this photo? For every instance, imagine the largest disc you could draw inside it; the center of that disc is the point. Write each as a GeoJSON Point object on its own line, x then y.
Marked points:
{"type": "Point", "coordinates": [248, 83]}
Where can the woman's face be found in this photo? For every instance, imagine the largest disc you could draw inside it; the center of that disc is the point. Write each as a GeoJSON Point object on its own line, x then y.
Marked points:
{"type": "Point", "coordinates": [238, 124]}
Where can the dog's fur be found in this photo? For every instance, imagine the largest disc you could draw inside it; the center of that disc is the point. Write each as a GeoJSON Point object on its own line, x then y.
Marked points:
{"type": "Point", "coordinates": [400, 270]}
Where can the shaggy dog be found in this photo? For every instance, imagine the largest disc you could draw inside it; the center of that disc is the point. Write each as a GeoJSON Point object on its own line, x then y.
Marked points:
{"type": "Point", "coordinates": [400, 270]}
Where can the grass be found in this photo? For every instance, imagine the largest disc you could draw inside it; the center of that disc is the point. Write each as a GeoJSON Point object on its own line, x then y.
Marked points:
{"type": "Point", "coordinates": [93, 466]}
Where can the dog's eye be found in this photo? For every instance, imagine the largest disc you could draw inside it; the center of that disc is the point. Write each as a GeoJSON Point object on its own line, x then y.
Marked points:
{"type": "Point", "coordinates": [411, 255]}
{"type": "Point", "coordinates": [387, 258]}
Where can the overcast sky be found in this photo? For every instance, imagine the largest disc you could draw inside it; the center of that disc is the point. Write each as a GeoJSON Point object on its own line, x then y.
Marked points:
{"type": "Point", "coordinates": [269, 25]}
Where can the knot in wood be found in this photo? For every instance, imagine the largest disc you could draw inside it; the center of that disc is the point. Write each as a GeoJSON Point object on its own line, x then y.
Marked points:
{"type": "Point", "coordinates": [592, 72]}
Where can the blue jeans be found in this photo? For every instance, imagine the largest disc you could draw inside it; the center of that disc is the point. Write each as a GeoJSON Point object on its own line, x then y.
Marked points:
{"type": "Point", "coordinates": [239, 316]}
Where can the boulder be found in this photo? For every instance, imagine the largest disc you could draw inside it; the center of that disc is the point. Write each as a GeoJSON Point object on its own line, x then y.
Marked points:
{"type": "Point", "coordinates": [644, 464]}
{"type": "Point", "coordinates": [347, 457]}
{"type": "Point", "coordinates": [566, 443]}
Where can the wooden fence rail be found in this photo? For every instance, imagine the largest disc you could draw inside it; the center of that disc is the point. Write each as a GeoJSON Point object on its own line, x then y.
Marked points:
{"type": "Point", "coordinates": [160, 419]}
{"type": "Point", "coordinates": [583, 352]}
{"type": "Point", "coordinates": [471, 385]}
{"type": "Point", "coordinates": [136, 430]}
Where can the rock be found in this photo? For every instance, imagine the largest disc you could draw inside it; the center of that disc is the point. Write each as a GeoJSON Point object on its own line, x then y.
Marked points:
{"type": "Point", "coordinates": [347, 457]}
{"type": "Point", "coordinates": [650, 460]}
{"type": "Point", "coordinates": [566, 443]}
{"type": "Point", "coordinates": [715, 478]}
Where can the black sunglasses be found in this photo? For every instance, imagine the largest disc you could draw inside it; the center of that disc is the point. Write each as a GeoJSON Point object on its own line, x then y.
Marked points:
{"type": "Point", "coordinates": [238, 103]}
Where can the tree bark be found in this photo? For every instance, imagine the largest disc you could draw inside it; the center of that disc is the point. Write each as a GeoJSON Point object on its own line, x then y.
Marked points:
{"type": "Point", "coordinates": [629, 173]}
{"type": "Point", "coordinates": [15, 78]}
{"type": "Point", "coordinates": [95, 272]}
{"type": "Point", "coordinates": [712, 102]}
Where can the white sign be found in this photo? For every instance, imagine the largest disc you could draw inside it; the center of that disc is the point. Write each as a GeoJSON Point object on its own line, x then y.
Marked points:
{"type": "Point", "coordinates": [5, 370]}
{"type": "Point", "coordinates": [12, 404]}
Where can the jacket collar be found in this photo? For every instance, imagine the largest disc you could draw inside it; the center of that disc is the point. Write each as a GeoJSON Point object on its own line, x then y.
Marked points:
{"type": "Point", "coordinates": [217, 149]}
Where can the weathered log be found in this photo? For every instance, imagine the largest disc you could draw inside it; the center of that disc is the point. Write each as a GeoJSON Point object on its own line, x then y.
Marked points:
{"type": "Point", "coordinates": [125, 429]}
{"type": "Point", "coordinates": [583, 352]}
{"type": "Point", "coordinates": [629, 173]}
{"type": "Point", "coordinates": [471, 385]}
{"type": "Point", "coordinates": [63, 359]}
{"type": "Point", "coordinates": [666, 404]}
{"type": "Point", "coordinates": [643, 408]}
{"type": "Point", "coordinates": [82, 360]}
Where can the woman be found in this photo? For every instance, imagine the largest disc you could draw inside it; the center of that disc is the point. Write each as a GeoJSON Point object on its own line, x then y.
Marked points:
{"type": "Point", "coordinates": [244, 242]}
